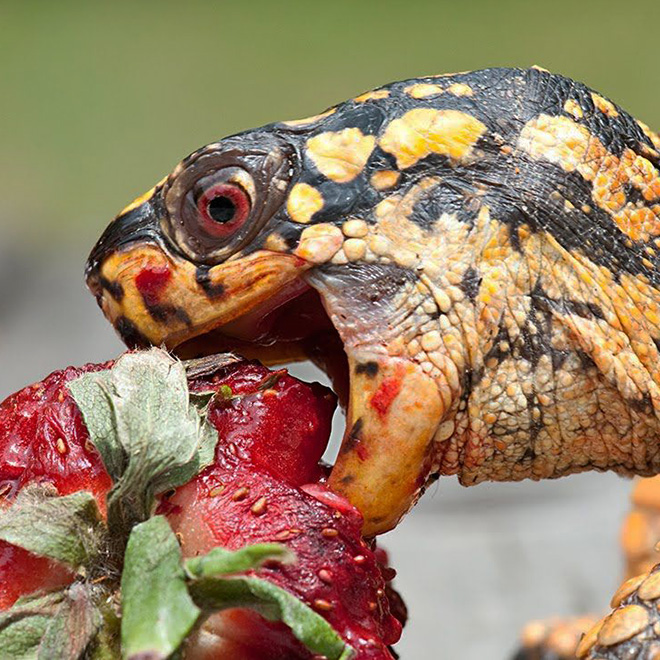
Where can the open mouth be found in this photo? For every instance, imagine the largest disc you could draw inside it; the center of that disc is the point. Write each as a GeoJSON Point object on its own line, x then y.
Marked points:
{"type": "Point", "coordinates": [290, 331]}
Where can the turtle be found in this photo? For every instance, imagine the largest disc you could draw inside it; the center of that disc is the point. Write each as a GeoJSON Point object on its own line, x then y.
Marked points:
{"type": "Point", "coordinates": [472, 257]}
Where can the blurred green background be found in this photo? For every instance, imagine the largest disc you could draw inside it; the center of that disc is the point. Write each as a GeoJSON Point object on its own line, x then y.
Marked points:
{"type": "Point", "coordinates": [100, 99]}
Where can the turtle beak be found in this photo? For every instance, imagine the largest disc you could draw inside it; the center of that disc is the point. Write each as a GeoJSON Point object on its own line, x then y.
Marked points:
{"type": "Point", "coordinates": [135, 228]}
{"type": "Point", "coordinates": [138, 223]}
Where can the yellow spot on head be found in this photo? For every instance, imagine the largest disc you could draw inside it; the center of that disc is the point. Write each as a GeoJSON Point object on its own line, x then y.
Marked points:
{"type": "Point", "coordinates": [276, 243]}
{"type": "Point", "coordinates": [341, 156]}
{"type": "Point", "coordinates": [540, 68]}
{"type": "Point", "coordinates": [319, 243]}
{"type": "Point", "coordinates": [309, 120]}
{"type": "Point", "coordinates": [355, 248]}
{"type": "Point", "coordinates": [562, 141]}
{"type": "Point", "coordinates": [422, 90]}
{"type": "Point", "coordinates": [572, 108]}
{"type": "Point", "coordinates": [460, 89]}
{"type": "Point", "coordinates": [605, 106]}
{"type": "Point", "coordinates": [303, 202]}
{"type": "Point", "coordinates": [424, 131]}
{"type": "Point", "coordinates": [384, 179]}
{"type": "Point", "coordinates": [372, 96]}
{"type": "Point", "coordinates": [355, 228]}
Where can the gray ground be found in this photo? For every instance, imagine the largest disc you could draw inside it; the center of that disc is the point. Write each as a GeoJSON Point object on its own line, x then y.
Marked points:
{"type": "Point", "coordinates": [474, 564]}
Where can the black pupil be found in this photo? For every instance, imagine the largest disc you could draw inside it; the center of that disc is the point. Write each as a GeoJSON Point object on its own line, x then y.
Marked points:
{"type": "Point", "coordinates": [222, 209]}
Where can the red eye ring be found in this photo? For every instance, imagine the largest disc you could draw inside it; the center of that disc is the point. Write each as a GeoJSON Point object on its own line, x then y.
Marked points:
{"type": "Point", "coordinates": [223, 209]}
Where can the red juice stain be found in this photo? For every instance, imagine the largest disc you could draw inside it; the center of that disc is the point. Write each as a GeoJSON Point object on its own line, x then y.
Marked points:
{"type": "Point", "coordinates": [151, 281]}
{"type": "Point", "coordinates": [383, 397]}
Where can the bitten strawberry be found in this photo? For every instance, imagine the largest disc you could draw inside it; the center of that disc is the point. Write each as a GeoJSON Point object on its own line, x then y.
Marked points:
{"type": "Point", "coordinates": [263, 486]}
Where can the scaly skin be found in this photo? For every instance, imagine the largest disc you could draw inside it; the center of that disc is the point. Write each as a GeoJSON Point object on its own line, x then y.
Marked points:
{"type": "Point", "coordinates": [485, 245]}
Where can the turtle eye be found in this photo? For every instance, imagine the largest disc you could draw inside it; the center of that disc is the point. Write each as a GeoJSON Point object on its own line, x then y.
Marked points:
{"type": "Point", "coordinates": [223, 209]}
{"type": "Point", "coordinates": [219, 199]}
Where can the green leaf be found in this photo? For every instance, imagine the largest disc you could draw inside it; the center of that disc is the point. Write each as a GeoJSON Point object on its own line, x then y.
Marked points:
{"type": "Point", "coordinates": [149, 434]}
{"type": "Point", "coordinates": [60, 624]}
{"type": "Point", "coordinates": [274, 603]}
{"type": "Point", "coordinates": [68, 529]}
{"type": "Point", "coordinates": [222, 562]}
{"type": "Point", "coordinates": [157, 611]}
{"type": "Point", "coordinates": [72, 628]}
{"type": "Point", "coordinates": [91, 392]}
{"type": "Point", "coordinates": [23, 626]}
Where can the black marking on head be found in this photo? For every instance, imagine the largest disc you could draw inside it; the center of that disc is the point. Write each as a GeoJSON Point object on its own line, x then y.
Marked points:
{"type": "Point", "coordinates": [348, 479]}
{"type": "Point", "coordinates": [470, 283]}
{"type": "Point", "coordinates": [586, 310]}
{"type": "Point", "coordinates": [529, 455]}
{"type": "Point", "coordinates": [139, 225]}
{"type": "Point", "coordinates": [162, 313]}
{"type": "Point", "coordinates": [129, 333]}
{"type": "Point", "coordinates": [354, 436]}
{"type": "Point", "coordinates": [368, 117]}
{"type": "Point", "coordinates": [369, 369]}
{"type": "Point", "coordinates": [202, 277]}
{"type": "Point", "coordinates": [535, 425]}
{"type": "Point", "coordinates": [343, 199]}
{"type": "Point", "coordinates": [535, 337]}
{"type": "Point", "coordinates": [115, 289]}
{"type": "Point", "coordinates": [382, 160]}
{"type": "Point", "coordinates": [290, 233]}
{"type": "Point", "coordinates": [634, 195]}
{"type": "Point", "coordinates": [453, 196]}
{"type": "Point", "coordinates": [642, 404]}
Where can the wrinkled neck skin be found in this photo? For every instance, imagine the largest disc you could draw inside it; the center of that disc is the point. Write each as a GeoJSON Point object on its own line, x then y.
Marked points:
{"type": "Point", "coordinates": [513, 368]}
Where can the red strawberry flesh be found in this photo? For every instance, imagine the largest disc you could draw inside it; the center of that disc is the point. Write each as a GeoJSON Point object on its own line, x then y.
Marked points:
{"type": "Point", "coordinates": [43, 439]}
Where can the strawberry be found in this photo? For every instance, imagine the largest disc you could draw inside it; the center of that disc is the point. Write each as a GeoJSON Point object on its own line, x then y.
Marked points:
{"type": "Point", "coordinates": [264, 485]}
